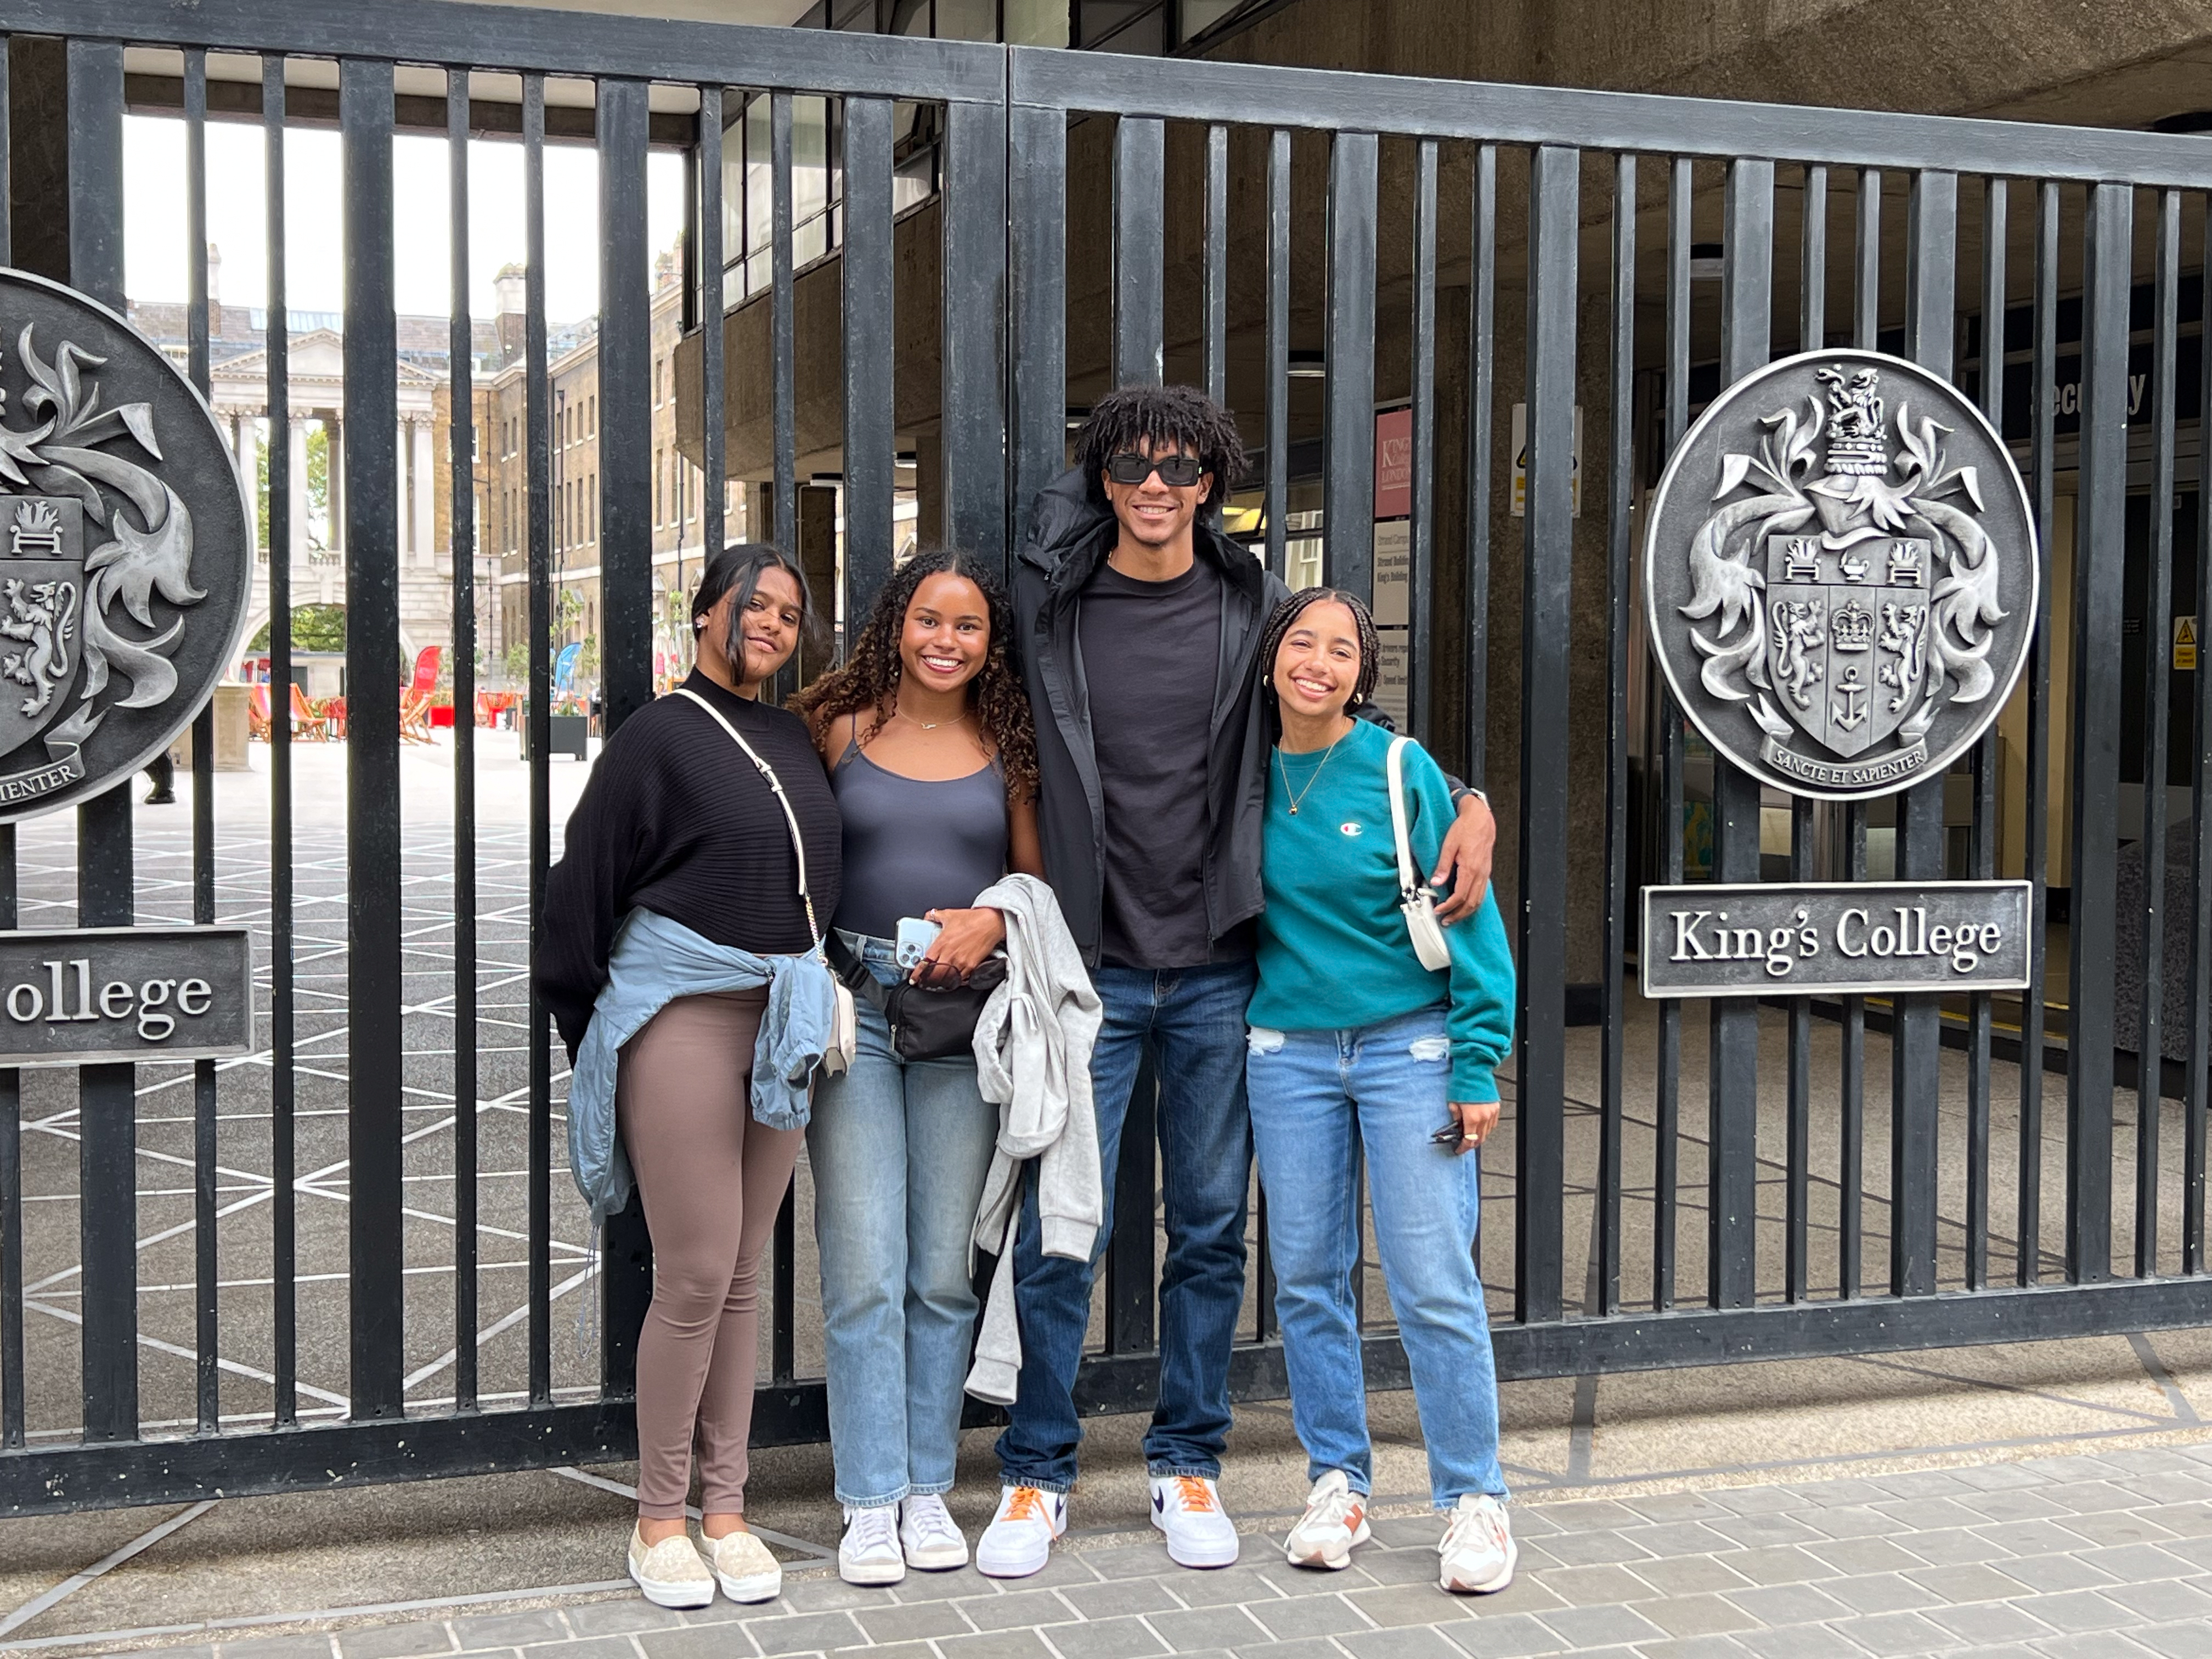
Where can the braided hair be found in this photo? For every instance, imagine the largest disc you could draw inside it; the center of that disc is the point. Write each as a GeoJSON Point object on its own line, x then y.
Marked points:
{"type": "Point", "coordinates": [1181, 414]}
{"type": "Point", "coordinates": [1363, 622]}
{"type": "Point", "coordinates": [868, 680]}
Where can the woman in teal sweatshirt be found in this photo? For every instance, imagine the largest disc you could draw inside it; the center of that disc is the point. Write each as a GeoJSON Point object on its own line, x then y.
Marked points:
{"type": "Point", "coordinates": [1355, 1045]}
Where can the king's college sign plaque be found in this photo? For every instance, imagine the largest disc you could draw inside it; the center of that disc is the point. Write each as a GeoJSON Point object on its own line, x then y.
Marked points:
{"type": "Point", "coordinates": [1840, 573]}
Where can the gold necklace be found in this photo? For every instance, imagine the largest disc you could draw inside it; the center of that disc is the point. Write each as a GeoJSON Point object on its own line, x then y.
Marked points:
{"type": "Point", "coordinates": [928, 726]}
{"type": "Point", "coordinates": [1308, 790]}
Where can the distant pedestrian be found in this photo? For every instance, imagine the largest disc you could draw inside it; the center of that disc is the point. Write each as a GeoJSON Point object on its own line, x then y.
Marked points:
{"type": "Point", "coordinates": [680, 960]}
{"type": "Point", "coordinates": [1357, 1045]}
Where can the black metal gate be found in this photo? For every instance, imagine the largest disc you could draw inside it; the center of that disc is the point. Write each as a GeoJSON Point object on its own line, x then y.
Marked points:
{"type": "Point", "coordinates": [1459, 249]}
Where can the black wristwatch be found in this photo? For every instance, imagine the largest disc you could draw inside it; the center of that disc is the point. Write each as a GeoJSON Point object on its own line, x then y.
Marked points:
{"type": "Point", "coordinates": [1466, 791]}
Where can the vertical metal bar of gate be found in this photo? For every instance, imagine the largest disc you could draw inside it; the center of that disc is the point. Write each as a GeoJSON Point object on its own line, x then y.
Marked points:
{"type": "Point", "coordinates": [1038, 280]}
{"type": "Point", "coordinates": [1546, 631]}
{"type": "Point", "coordinates": [974, 419]}
{"type": "Point", "coordinates": [374, 986]}
{"type": "Point", "coordinates": [1667, 1084]}
{"type": "Point", "coordinates": [1482, 304]}
{"type": "Point", "coordinates": [2041, 443]}
{"type": "Point", "coordinates": [625, 529]}
{"type": "Point", "coordinates": [783, 370]}
{"type": "Point", "coordinates": [1214, 296]}
{"type": "Point", "coordinates": [1851, 1229]}
{"type": "Point", "coordinates": [1347, 503]}
{"type": "Point", "coordinates": [461, 434]}
{"type": "Point", "coordinates": [2150, 1046]}
{"type": "Point", "coordinates": [1916, 1032]}
{"type": "Point", "coordinates": [713, 436]}
{"type": "Point", "coordinates": [1812, 331]}
{"type": "Point", "coordinates": [107, 1190]}
{"type": "Point", "coordinates": [12, 1401]}
{"type": "Point", "coordinates": [1620, 554]}
{"type": "Point", "coordinates": [870, 443]}
{"type": "Point", "coordinates": [2194, 1102]}
{"type": "Point", "coordinates": [537, 527]}
{"type": "Point", "coordinates": [283, 1082]}
{"type": "Point", "coordinates": [2100, 542]}
{"type": "Point", "coordinates": [1140, 251]}
{"type": "Point", "coordinates": [1995, 217]}
{"type": "Point", "coordinates": [1732, 1153]}
{"type": "Point", "coordinates": [1422, 531]}
{"type": "Point", "coordinates": [1278, 484]}
{"type": "Point", "coordinates": [205, 1279]}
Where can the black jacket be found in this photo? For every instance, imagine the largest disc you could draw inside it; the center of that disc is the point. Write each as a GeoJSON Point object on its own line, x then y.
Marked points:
{"type": "Point", "coordinates": [1068, 538]}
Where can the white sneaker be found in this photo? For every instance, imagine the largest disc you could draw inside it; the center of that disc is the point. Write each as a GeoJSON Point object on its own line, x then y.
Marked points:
{"type": "Point", "coordinates": [1018, 1541]}
{"type": "Point", "coordinates": [1188, 1509]}
{"type": "Point", "coordinates": [1478, 1547]}
{"type": "Point", "coordinates": [928, 1533]}
{"type": "Point", "coordinates": [868, 1553]}
{"type": "Point", "coordinates": [744, 1568]}
{"type": "Point", "coordinates": [671, 1573]}
{"type": "Point", "coordinates": [1335, 1520]}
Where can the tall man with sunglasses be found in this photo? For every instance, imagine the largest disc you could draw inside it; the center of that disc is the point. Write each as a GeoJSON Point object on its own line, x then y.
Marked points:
{"type": "Point", "coordinates": [1139, 624]}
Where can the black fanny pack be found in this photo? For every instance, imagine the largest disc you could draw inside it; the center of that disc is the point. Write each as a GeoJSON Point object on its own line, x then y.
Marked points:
{"type": "Point", "coordinates": [926, 1023]}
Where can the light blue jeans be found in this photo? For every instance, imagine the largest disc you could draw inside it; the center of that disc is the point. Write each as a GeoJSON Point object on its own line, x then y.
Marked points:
{"type": "Point", "coordinates": [1317, 1098]}
{"type": "Point", "coordinates": [899, 1152]}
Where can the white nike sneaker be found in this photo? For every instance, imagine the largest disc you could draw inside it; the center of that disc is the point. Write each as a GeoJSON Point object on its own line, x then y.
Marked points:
{"type": "Point", "coordinates": [928, 1535]}
{"type": "Point", "coordinates": [1335, 1520]}
{"type": "Point", "coordinates": [670, 1573]}
{"type": "Point", "coordinates": [1478, 1547]}
{"type": "Point", "coordinates": [1188, 1509]}
{"type": "Point", "coordinates": [1018, 1541]}
{"type": "Point", "coordinates": [869, 1553]}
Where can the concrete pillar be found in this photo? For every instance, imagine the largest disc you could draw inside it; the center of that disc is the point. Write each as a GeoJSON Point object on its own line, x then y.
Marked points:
{"type": "Point", "coordinates": [244, 442]}
{"type": "Point", "coordinates": [297, 495]}
{"type": "Point", "coordinates": [425, 496]}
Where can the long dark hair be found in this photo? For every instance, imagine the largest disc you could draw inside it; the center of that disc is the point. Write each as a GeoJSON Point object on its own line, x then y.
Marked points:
{"type": "Point", "coordinates": [739, 566]}
{"type": "Point", "coordinates": [1363, 622]}
{"type": "Point", "coordinates": [869, 679]}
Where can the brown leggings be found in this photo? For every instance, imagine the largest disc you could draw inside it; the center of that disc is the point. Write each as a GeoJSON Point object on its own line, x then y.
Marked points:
{"type": "Point", "coordinates": [711, 1180]}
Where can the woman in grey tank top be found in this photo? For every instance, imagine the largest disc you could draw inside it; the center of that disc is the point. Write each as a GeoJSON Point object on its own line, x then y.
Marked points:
{"type": "Point", "coordinates": [931, 751]}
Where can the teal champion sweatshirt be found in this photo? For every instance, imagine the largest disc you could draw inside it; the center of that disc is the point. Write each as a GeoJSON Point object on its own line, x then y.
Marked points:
{"type": "Point", "coordinates": [1335, 954]}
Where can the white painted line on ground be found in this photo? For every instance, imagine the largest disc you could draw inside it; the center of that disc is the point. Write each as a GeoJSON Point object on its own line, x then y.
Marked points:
{"type": "Point", "coordinates": [70, 1586]}
{"type": "Point", "coordinates": [620, 1491]}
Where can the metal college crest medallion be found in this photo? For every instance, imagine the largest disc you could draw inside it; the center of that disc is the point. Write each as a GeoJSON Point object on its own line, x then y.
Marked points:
{"type": "Point", "coordinates": [1840, 573]}
{"type": "Point", "coordinates": [125, 561]}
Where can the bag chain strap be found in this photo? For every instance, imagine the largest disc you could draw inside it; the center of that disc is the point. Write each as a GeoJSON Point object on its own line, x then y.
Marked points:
{"type": "Point", "coordinates": [790, 817]}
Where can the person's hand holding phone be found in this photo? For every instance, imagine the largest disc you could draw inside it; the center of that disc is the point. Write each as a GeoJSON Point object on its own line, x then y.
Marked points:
{"type": "Point", "coordinates": [964, 938]}
{"type": "Point", "coordinates": [1471, 1122]}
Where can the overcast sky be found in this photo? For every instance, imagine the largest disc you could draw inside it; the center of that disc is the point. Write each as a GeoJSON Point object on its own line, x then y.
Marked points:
{"type": "Point", "coordinates": [154, 217]}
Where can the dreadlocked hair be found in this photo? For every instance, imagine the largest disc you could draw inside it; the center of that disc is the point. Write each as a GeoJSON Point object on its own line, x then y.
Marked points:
{"type": "Point", "coordinates": [867, 682]}
{"type": "Point", "coordinates": [1363, 622]}
{"type": "Point", "coordinates": [1183, 415]}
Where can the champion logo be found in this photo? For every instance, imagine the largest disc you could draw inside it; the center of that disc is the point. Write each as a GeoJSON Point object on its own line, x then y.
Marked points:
{"type": "Point", "coordinates": [1348, 828]}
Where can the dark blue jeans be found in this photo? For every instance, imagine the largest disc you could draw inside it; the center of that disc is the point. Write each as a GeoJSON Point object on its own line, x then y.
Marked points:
{"type": "Point", "coordinates": [1194, 1019]}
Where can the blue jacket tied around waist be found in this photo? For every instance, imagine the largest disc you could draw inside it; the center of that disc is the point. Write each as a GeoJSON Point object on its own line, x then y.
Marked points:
{"type": "Point", "coordinates": [654, 961]}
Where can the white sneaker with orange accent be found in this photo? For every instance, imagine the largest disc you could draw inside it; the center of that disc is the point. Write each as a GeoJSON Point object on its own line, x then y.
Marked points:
{"type": "Point", "coordinates": [1335, 1520]}
{"type": "Point", "coordinates": [1188, 1509]}
{"type": "Point", "coordinates": [1018, 1541]}
{"type": "Point", "coordinates": [1477, 1548]}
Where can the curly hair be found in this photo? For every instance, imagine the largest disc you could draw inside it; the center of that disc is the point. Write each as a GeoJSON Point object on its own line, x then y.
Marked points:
{"type": "Point", "coordinates": [1181, 414]}
{"type": "Point", "coordinates": [868, 680]}
{"type": "Point", "coordinates": [1363, 622]}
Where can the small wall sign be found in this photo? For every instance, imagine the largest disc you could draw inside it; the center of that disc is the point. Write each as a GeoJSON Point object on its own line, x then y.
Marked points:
{"type": "Point", "coordinates": [88, 995]}
{"type": "Point", "coordinates": [1840, 938]}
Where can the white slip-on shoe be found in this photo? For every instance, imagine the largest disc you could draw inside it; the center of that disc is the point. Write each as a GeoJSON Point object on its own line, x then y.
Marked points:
{"type": "Point", "coordinates": [670, 1573]}
{"type": "Point", "coordinates": [932, 1540]}
{"type": "Point", "coordinates": [1018, 1541]}
{"type": "Point", "coordinates": [1188, 1509]}
{"type": "Point", "coordinates": [1335, 1520]}
{"type": "Point", "coordinates": [744, 1568]}
{"type": "Point", "coordinates": [868, 1553]}
{"type": "Point", "coordinates": [1478, 1547]}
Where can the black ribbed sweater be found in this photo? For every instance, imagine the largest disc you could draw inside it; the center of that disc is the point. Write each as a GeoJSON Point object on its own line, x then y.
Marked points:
{"type": "Point", "coordinates": [675, 820]}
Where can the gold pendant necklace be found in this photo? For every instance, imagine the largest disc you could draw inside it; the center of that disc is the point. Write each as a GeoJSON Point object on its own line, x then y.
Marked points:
{"type": "Point", "coordinates": [1301, 795]}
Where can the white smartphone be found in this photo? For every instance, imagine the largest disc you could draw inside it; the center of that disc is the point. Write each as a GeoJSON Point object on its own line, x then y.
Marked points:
{"type": "Point", "coordinates": [915, 936]}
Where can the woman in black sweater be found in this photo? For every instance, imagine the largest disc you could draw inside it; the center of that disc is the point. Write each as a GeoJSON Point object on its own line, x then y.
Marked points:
{"type": "Point", "coordinates": [680, 880]}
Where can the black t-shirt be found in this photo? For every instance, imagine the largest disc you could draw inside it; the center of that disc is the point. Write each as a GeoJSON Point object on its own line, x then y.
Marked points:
{"type": "Point", "coordinates": [1151, 655]}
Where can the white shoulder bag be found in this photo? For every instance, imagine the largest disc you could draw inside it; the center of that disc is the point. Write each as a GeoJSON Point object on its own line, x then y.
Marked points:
{"type": "Point", "coordinates": [1415, 903]}
{"type": "Point", "coordinates": [837, 1053]}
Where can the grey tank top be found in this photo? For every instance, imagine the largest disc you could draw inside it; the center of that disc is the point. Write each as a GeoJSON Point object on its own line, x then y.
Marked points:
{"type": "Point", "coordinates": [913, 845]}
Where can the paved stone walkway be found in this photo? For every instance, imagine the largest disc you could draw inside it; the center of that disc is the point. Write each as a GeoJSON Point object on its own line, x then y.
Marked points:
{"type": "Point", "coordinates": [2068, 1557]}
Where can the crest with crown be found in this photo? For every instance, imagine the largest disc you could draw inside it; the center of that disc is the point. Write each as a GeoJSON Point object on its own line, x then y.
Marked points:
{"type": "Point", "coordinates": [1858, 444]}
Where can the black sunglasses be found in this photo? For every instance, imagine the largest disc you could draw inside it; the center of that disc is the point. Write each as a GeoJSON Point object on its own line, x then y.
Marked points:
{"type": "Point", "coordinates": [1176, 471]}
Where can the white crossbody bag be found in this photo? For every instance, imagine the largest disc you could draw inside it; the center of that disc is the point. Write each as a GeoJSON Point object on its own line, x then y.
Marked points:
{"type": "Point", "coordinates": [1415, 903]}
{"type": "Point", "coordinates": [844, 1038]}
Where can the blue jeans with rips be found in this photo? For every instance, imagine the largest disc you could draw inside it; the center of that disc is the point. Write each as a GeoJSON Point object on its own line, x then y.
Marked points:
{"type": "Point", "coordinates": [898, 1149]}
{"type": "Point", "coordinates": [1194, 1017]}
{"type": "Point", "coordinates": [1318, 1099]}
